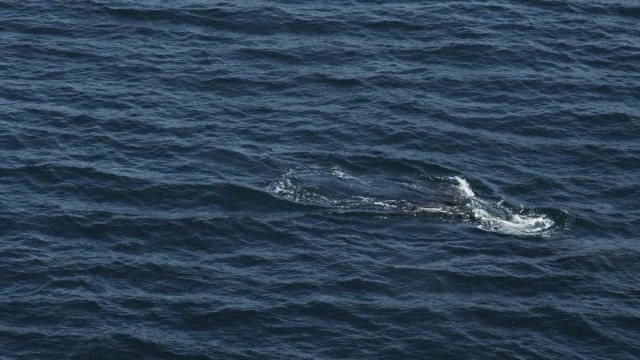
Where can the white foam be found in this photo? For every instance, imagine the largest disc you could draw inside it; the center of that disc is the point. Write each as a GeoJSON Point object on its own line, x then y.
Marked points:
{"type": "Point", "coordinates": [434, 210]}
{"type": "Point", "coordinates": [496, 217]}
{"type": "Point", "coordinates": [336, 171]}
{"type": "Point", "coordinates": [464, 187]}
{"type": "Point", "coordinates": [514, 224]}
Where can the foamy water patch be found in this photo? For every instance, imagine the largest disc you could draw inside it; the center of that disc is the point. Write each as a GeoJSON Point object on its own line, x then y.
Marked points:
{"type": "Point", "coordinates": [514, 224]}
{"type": "Point", "coordinates": [496, 217]}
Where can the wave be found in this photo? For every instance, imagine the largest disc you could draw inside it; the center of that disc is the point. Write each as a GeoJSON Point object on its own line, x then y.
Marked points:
{"type": "Point", "coordinates": [338, 191]}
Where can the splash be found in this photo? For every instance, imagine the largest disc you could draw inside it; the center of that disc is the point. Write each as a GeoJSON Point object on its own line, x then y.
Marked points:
{"type": "Point", "coordinates": [496, 217]}
{"type": "Point", "coordinates": [464, 187]}
{"type": "Point", "coordinates": [337, 190]}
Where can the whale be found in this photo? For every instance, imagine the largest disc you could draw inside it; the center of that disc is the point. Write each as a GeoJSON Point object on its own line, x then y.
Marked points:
{"type": "Point", "coordinates": [336, 191]}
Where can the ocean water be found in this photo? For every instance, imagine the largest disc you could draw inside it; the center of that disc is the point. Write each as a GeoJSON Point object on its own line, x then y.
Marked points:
{"type": "Point", "coordinates": [320, 180]}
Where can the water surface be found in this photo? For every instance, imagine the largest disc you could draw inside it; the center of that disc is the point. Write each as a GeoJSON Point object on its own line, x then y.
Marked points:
{"type": "Point", "coordinates": [346, 179]}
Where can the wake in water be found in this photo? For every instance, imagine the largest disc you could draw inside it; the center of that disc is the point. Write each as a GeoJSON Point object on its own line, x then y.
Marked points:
{"type": "Point", "coordinates": [339, 191]}
{"type": "Point", "coordinates": [496, 217]}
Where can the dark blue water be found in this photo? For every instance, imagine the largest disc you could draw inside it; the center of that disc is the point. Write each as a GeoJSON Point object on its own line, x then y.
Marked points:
{"type": "Point", "coordinates": [320, 180]}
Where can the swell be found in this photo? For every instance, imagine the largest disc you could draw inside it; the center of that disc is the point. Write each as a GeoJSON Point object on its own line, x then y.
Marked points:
{"type": "Point", "coordinates": [260, 21]}
{"type": "Point", "coordinates": [87, 188]}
